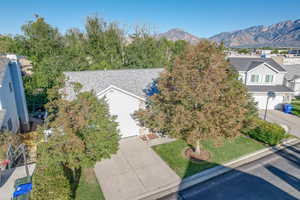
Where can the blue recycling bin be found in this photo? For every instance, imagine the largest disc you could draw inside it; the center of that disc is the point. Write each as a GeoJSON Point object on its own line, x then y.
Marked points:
{"type": "Point", "coordinates": [287, 108]}
{"type": "Point", "coordinates": [22, 189]}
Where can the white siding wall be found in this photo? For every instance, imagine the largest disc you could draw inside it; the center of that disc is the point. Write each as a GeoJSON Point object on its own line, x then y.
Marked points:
{"type": "Point", "coordinates": [123, 106]}
{"type": "Point", "coordinates": [296, 86]}
{"type": "Point", "coordinates": [262, 71]}
{"type": "Point", "coordinates": [274, 103]}
{"type": "Point", "coordinates": [242, 76]}
{"type": "Point", "coordinates": [279, 80]}
{"type": "Point", "coordinates": [7, 99]}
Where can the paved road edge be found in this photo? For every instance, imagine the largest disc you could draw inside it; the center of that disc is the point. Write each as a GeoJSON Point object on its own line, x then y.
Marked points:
{"type": "Point", "coordinates": [216, 171]}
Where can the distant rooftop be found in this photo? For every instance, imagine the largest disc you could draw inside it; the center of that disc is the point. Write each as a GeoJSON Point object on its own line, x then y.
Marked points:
{"type": "Point", "coordinates": [246, 64]}
{"type": "Point", "coordinates": [266, 88]}
{"type": "Point", "coordinates": [293, 71]}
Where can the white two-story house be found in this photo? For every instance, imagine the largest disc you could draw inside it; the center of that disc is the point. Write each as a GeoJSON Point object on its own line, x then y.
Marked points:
{"type": "Point", "coordinates": [13, 107]}
{"type": "Point", "coordinates": [262, 75]}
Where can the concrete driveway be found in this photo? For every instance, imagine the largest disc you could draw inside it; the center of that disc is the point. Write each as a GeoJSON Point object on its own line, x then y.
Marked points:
{"type": "Point", "coordinates": [134, 171]}
{"type": "Point", "coordinates": [291, 121]}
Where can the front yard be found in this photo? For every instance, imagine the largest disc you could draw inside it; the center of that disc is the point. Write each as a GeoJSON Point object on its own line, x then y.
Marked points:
{"type": "Point", "coordinates": [88, 188]}
{"type": "Point", "coordinates": [296, 107]}
{"type": "Point", "coordinates": [172, 154]}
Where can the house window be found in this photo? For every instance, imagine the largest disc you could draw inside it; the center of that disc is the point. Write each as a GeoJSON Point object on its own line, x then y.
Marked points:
{"type": "Point", "coordinates": [254, 78]}
{"type": "Point", "coordinates": [9, 125]}
{"type": "Point", "coordinates": [269, 78]}
{"type": "Point", "coordinates": [10, 86]}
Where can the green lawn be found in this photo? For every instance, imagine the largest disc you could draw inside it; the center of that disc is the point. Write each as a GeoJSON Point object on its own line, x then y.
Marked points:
{"type": "Point", "coordinates": [296, 107]}
{"type": "Point", "coordinates": [231, 149]}
{"type": "Point", "coordinates": [88, 188]}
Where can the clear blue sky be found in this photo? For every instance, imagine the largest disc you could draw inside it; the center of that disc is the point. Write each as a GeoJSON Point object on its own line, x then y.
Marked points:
{"type": "Point", "coordinates": [203, 18]}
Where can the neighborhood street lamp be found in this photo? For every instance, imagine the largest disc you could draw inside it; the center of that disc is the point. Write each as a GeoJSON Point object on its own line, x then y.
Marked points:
{"type": "Point", "coordinates": [270, 94]}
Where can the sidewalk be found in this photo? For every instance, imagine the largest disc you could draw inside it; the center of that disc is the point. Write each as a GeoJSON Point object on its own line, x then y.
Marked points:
{"type": "Point", "coordinates": [7, 190]}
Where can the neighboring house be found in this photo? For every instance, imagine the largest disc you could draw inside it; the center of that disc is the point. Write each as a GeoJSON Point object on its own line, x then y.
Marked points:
{"type": "Point", "coordinates": [292, 78]}
{"type": "Point", "coordinates": [262, 75]}
{"type": "Point", "coordinates": [13, 108]}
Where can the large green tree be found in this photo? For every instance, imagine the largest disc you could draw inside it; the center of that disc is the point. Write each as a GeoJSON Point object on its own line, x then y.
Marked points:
{"type": "Point", "coordinates": [83, 132]}
{"type": "Point", "coordinates": [101, 45]}
{"type": "Point", "coordinates": [199, 97]}
{"type": "Point", "coordinates": [104, 44]}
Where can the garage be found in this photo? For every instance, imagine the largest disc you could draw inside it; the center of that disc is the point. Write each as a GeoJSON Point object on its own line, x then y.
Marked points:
{"type": "Point", "coordinates": [124, 92]}
{"type": "Point", "coordinates": [123, 105]}
{"type": "Point", "coordinates": [274, 103]}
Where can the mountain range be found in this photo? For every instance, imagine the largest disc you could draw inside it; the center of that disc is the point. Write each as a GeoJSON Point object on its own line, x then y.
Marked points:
{"type": "Point", "coordinates": [282, 34]}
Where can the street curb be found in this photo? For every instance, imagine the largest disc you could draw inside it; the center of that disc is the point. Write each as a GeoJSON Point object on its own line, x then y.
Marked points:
{"type": "Point", "coordinates": [216, 171]}
{"type": "Point", "coordinates": [221, 169]}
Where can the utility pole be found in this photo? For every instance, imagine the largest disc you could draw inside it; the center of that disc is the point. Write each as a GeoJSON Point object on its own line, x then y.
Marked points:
{"type": "Point", "coordinates": [265, 117]}
{"type": "Point", "coordinates": [270, 94]}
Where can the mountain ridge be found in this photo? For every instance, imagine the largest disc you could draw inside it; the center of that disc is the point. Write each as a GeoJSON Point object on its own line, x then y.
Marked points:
{"type": "Point", "coordinates": [179, 34]}
{"type": "Point", "coordinates": [282, 34]}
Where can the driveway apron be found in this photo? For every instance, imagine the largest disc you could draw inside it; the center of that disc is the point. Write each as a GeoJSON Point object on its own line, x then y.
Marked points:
{"type": "Point", "coordinates": [134, 171]}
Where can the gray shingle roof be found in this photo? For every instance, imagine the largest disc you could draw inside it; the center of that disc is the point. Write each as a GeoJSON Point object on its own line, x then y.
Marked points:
{"type": "Point", "coordinates": [130, 80]}
{"type": "Point", "coordinates": [266, 88]}
{"type": "Point", "coordinates": [3, 64]}
{"type": "Point", "coordinates": [246, 64]}
{"type": "Point", "coordinates": [293, 71]}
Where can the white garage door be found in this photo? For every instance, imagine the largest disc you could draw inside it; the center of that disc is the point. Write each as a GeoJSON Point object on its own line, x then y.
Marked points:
{"type": "Point", "coordinates": [123, 106]}
{"type": "Point", "coordinates": [274, 103]}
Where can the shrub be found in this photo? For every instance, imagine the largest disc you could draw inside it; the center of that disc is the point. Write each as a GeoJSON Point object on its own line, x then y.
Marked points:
{"type": "Point", "coordinates": [50, 183]}
{"type": "Point", "coordinates": [267, 132]}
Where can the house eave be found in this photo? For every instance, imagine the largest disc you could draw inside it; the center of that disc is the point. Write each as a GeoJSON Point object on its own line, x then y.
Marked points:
{"type": "Point", "coordinates": [103, 92]}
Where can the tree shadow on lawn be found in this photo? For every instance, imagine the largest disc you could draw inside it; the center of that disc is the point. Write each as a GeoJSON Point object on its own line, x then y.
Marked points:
{"type": "Point", "coordinates": [238, 184]}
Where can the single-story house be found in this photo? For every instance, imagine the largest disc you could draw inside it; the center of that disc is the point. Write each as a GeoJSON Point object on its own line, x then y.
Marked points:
{"type": "Point", "coordinates": [123, 90]}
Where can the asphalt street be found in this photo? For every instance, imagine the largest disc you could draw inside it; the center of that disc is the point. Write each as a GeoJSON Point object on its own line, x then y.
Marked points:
{"type": "Point", "coordinates": [273, 177]}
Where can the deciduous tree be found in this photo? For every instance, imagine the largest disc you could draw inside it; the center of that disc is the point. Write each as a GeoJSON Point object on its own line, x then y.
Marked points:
{"type": "Point", "coordinates": [83, 132]}
{"type": "Point", "coordinates": [199, 97]}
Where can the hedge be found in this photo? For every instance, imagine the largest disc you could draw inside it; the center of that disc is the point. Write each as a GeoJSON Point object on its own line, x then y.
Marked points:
{"type": "Point", "coordinates": [267, 132]}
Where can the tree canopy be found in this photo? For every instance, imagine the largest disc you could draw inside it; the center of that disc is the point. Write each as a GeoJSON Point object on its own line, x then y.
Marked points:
{"type": "Point", "coordinates": [199, 97]}
{"type": "Point", "coordinates": [82, 133]}
{"type": "Point", "coordinates": [101, 45]}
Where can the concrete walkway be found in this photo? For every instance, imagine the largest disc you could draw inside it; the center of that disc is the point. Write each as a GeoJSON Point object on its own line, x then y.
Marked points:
{"type": "Point", "coordinates": [160, 140]}
{"type": "Point", "coordinates": [134, 171]}
{"type": "Point", "coordinates": [291, 121]}
{"type": "Point", "coordinates": [9, 176]}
